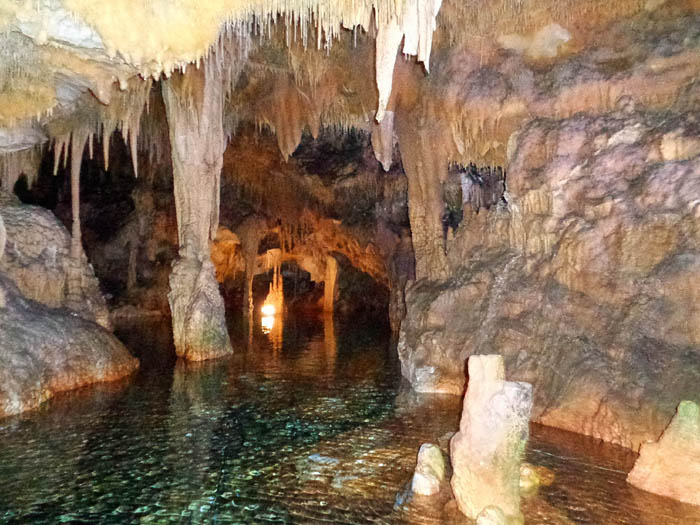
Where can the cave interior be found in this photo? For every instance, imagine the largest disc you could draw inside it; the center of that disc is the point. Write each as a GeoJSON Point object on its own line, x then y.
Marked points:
{"type": "Point", "coordinates": [430, 195]}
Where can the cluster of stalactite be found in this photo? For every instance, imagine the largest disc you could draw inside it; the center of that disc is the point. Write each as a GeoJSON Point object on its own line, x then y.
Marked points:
{"type": "Point", "coordinates": [482, 188]}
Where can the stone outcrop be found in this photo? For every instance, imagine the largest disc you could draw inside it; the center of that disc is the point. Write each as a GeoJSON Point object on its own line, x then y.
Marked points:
{"type": "Point", "coordinates": [45, 350]}
{"type": "Point", "coordinates": [487, 451]}
{"type": "Point", "coordinates": [585, 281]}
{"type": "Point", "coordinates": [38, 260]}
{"type": "Point", "coordinates": [44, 346]}
{"type": "Point", "coordinates": [671, 466]}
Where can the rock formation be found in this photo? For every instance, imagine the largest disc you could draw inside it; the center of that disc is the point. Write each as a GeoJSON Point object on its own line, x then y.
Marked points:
{"type": "Point", "coordinates": [582, 273]}
{"type": "Point", "coordinates": [671, 466]}
{"type": "Point", "coordinates": [48, 343]}
{"type": "Point", "coordinates": [193, 104]}
{"type": "Point", "coordinates": [45, 350]}
{"type": "Point", "coordinates": [38, 259]}
{"type": "Point", "coordinates": [487, 451]}
{"type": "Point", "coordinates": [430, 471]}
{"type": "Point", "coordinates": [584, 282]}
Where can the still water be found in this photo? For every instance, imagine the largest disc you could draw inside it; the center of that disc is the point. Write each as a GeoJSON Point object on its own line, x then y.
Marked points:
{"type": "Point", "coordinates": [308, 423]}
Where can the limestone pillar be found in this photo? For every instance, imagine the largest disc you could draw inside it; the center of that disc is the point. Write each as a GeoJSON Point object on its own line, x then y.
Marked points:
{"type": "Point", "coordinates": [194, 108]}
{"type": "Point", "coordinates": [329, 283]}
{"type": "Point", "coordinates": [487, 451]}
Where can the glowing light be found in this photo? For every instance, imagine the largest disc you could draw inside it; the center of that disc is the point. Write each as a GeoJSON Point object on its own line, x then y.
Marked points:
{"type": "Point", "coordinates": [268, 323]}
{"type": "Point", "coordinates": [268, 309]}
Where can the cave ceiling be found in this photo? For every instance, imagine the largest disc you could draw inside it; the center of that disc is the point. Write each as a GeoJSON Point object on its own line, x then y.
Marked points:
{"type": "Point", "coordinates": [467, 72]}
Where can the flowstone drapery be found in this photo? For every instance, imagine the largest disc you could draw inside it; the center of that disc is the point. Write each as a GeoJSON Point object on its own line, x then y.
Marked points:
{"type": "Point", "coordinates": [193, 104]}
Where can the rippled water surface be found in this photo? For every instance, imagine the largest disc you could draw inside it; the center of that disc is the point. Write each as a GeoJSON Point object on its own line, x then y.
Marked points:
{"type": "Point", "coordinates": [302, 426]}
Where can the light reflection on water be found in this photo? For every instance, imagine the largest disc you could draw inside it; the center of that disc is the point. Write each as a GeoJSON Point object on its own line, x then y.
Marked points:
{"type": "Point", "coordinates": [320, 431]}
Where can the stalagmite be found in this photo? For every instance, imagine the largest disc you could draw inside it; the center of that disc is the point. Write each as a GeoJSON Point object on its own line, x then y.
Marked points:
{"type": "Point", "coordinates": [194, 110]}
{"type": "Point", "coordinates": [329, 284]}
{"type": "Point", "coordinates": [671, 466]}
{"type": "Point", "coordinates": [487, 451]}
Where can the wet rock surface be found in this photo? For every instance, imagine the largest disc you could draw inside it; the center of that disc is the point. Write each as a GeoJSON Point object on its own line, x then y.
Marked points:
{"type": "Point", "coordinates": [585, 282]}
{"type": "Point", "coordinates": [45, 350]}
{"type": "Point", "coordinates": [671, 467]}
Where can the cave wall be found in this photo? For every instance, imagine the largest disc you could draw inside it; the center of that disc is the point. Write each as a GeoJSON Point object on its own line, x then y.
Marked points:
{"type": "Point", "coordinates": [586, 281]}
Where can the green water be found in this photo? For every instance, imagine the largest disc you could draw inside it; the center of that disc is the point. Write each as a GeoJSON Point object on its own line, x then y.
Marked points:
{"type": "Point", "coordinates": [306, 424]}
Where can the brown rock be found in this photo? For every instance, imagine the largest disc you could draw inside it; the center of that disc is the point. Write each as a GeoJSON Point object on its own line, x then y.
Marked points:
{"type": "Point", "coordinates": [586, 283]}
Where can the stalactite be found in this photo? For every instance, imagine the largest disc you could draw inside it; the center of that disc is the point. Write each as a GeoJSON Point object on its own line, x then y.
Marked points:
{"type": "Point", "coordinates": [17, 163]}
{"type": "Point", "coordinates": [383, 140]}
{"type": "Point", "coordinates": [77, 147]}
{"type": "Point", "coordinates": [425, 162]}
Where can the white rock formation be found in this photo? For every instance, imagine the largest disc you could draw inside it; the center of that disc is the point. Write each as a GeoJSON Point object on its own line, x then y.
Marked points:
{"type": "Point", "coordinates": [487, 451]}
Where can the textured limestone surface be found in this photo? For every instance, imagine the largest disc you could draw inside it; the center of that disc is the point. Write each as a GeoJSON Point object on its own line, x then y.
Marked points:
{"type": "Point", "coordinates": [45, 350]}
{"type": "Point", "coordinates": [671, 466]}
{"type": "Point", "coordinates": [487, 451]}
{"type": "Point", "coordinates": [585, 281]}
{"type": "Point", "coordinates": [38, 260]}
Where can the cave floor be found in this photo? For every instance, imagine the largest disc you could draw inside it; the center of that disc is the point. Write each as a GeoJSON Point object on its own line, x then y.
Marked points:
{"type": "Point", "coordinates": [301, 426]}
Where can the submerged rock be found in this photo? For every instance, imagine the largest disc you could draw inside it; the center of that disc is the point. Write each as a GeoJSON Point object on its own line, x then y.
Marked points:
{"type": "Point", "coordinates": [487, 451]}
{"type": "Point", "coordinates": [671, 466]}
{"type": "Point", "coordinates": [532, 477]}
{"type": "Point", "coordinates": [46, 350]}
{"type": "Point", "coordinates": [430, 471]}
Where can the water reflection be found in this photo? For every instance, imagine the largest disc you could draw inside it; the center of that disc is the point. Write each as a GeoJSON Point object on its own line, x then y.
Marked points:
{"type": "Point", "coordinates": [267, 323]}
{"type": "Point", "coordinates": [319, 431]}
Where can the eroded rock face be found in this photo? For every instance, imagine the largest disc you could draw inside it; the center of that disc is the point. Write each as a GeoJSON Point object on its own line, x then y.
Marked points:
{"type": "Point", "coordinates": [586, 282]}
{"type": "Point", "coordinates": [38, 260]}
{"type": "Point", "coordinates": [45, 350]}
{"type": "Point", "coordinates": [487, 451]}
{"type": "Point", "coordinates": [671, 467]}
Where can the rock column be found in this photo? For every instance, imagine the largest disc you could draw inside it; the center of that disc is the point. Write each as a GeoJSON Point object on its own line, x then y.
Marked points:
{"type": "Point", "coordinates": [194, 107]}
{"type": "Point", "coordinates": [487, 451]}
